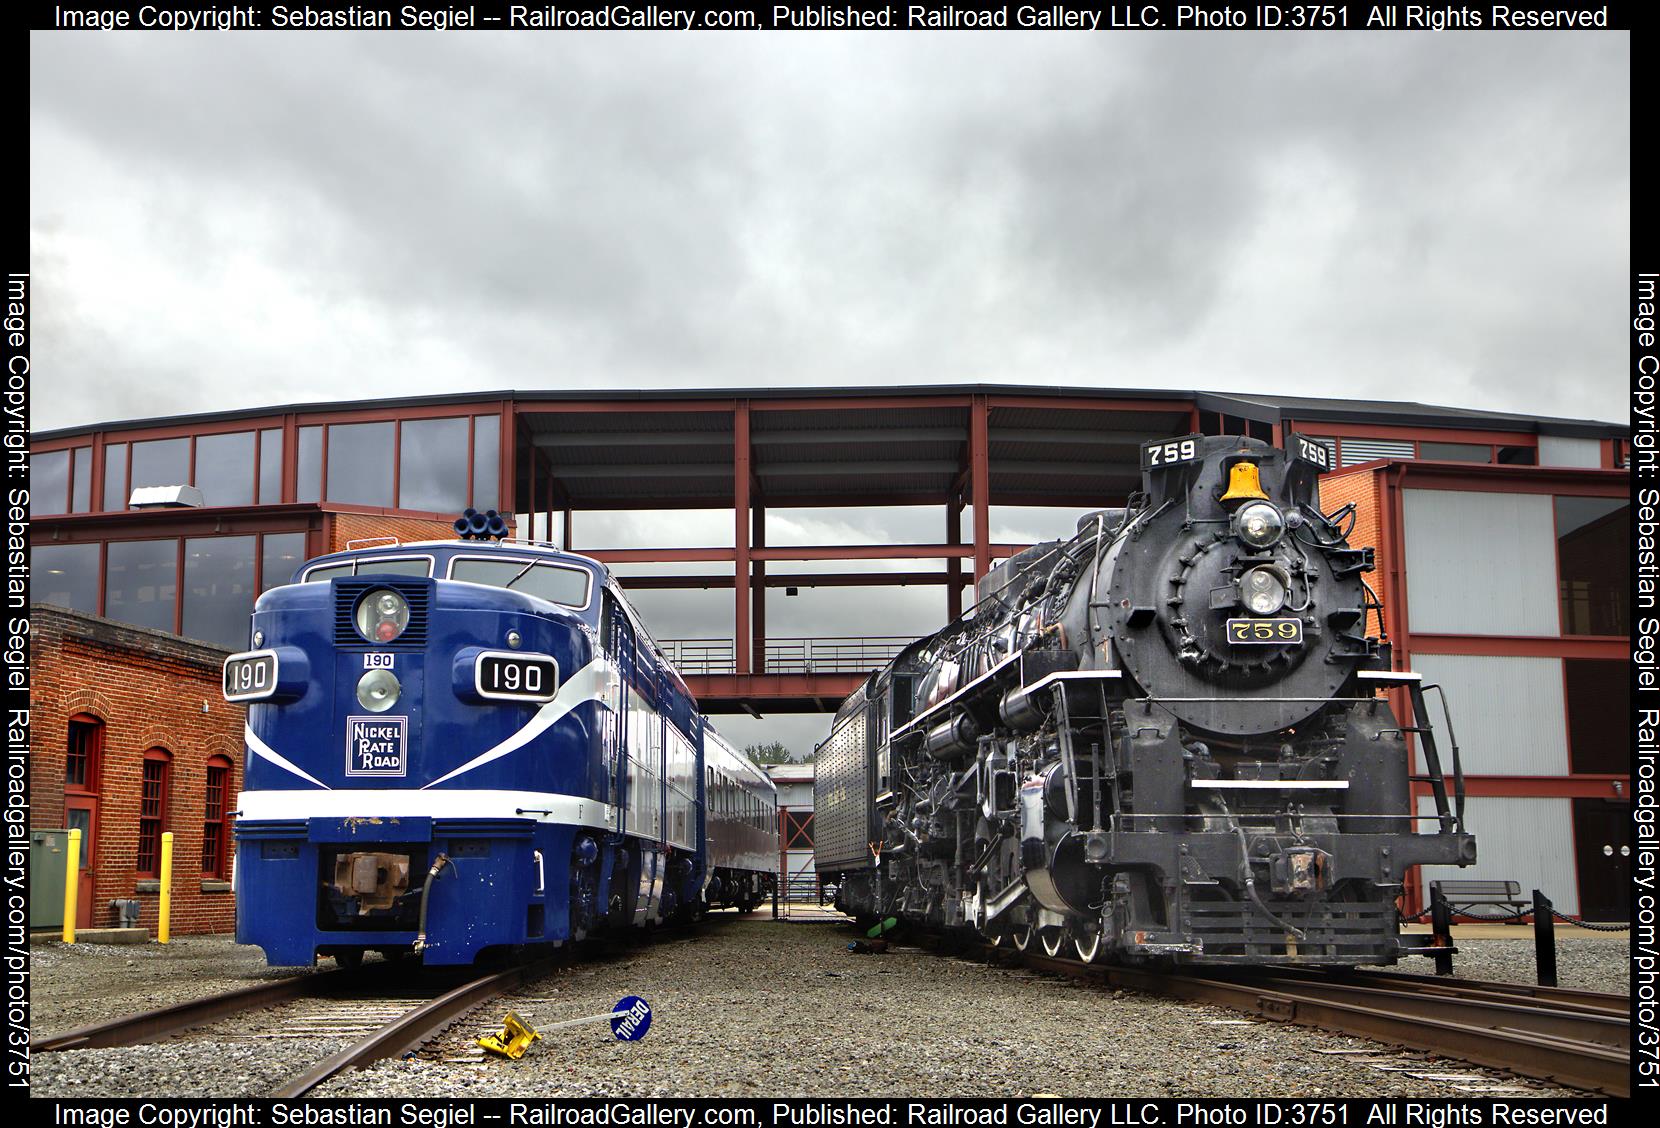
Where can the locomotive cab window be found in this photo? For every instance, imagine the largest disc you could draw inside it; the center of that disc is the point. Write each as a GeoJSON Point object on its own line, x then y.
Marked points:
{"type": "Point", "coordinates": [555, 583]}
{"type": "Point", "coordinates": [371, 566]}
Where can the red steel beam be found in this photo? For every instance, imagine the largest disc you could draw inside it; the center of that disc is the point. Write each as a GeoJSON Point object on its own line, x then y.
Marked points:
{"type": "Point", "coordinates": [954, 566]}
{"type": "Point", "coordinates": [979, 463]}
{"type": "Point", "coordinates": [832, 688]}
{"type": "Point", "coordinates": [801, 552]}
{"type": "Point", "coordinates": [740, 524]}
{"type": "Point", "coordinates": [1409, 431]}
{"type": "Point", "coordinates": [805, 579]}
{"type": "Point", "coordinates": [1566, 646]}
{"type": "Point", "coordinates": [1079, 403]}
{"type": "Point", "coordinates": [758, 590]}
{"type": "Point", "coordinates": [1616, 787]}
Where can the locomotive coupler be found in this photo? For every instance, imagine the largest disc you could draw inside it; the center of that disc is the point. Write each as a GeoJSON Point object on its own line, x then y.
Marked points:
{"type": "Point", "coordinates": [1299, 871]}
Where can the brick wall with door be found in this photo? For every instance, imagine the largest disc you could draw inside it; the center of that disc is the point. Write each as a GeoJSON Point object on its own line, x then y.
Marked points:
{"type": "Point", "coordinates": [131, 738]}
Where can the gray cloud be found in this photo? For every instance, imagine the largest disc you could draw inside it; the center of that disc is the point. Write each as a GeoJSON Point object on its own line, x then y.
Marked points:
{"type": "Point", "coordinates": [259, 218]}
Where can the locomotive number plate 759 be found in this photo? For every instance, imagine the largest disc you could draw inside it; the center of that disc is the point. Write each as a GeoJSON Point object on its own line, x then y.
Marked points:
{"type": "Point", "coordinates": [1264, 632]}
{"type": "Point", "coordinates": [516, 677]}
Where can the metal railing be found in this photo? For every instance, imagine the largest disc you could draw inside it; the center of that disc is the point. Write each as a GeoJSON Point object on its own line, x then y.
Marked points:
{"type": "Point", "coordinates": [829, 655]}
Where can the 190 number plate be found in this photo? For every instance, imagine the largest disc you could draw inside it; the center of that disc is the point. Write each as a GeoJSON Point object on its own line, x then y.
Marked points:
{"type": "Point", "coordinates": [249, 677]}
{"type": "Point", "coordinates": [516, 677]}
{"type": "Point", "coordinates": [1264, 632]}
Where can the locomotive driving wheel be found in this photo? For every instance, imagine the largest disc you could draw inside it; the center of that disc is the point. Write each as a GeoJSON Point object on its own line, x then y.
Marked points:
{"type": "Point", "coordinates": [1021, 936]}
{"type": "Point", "coordinates": [1087, 945]}
{"type": "Point", "coordinates": [1053, 938]}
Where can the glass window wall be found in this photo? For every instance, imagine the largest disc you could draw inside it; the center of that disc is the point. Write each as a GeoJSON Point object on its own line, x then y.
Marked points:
{"type": "Point", "coordinates": [1456, 452]}
{"type": "Point", "coordinates": [161, 462]}
{"type": "Point", "coordinates": [1593, 554]}
{"type": "Point", "coordinates": [141, 582]}
{"type": "Point", "coordinates": [360, 463]}
{"type": "Point", "coordinates": [270, 466]}
{"type": "Point", "coordinates": [432, 465]}
{"type": "Point", "coordinates": [65, 575]}
{"type": "Point", "coordinates": [115, 477]}
{"type": "Point", "coordinates": [308, 485]}
{"type": "Point", "coordinates": [1599, 715]}
{"type": "Point", "coordinates": [486, 461]}
{"type": "Point", "coordinates": [281, 556]}
{"type": "Point", "coordinates": [219, 588]}
{"type": "Point", "coordinates": [48, 482]}
{"type": "Point", "coordinates": [81, 488]}
{"type": "Point", "coordinates": [225, 468]}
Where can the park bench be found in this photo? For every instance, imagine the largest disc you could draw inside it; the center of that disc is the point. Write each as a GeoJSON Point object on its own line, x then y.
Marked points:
{"type": "Point", "coordinates": [1467, 893]}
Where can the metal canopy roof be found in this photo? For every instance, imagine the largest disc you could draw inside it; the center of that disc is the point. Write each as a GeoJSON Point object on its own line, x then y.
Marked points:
{"type": "Point", "coordinates": [1264, 407]}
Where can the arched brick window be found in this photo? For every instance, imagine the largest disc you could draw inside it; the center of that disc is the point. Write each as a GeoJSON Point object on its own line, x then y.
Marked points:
{"type": "Point", "coordinates": [84, 764]}
{"type": "Point", "coordinates": [152, 809]}
{"type": "Point", "coordinates": [215, 824]}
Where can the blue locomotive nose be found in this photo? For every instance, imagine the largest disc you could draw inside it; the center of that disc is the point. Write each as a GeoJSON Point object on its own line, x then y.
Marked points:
{"type": "Point", "coordinates": [462, 746]}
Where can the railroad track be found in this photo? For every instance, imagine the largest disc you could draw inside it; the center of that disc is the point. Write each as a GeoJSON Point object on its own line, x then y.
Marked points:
{"type": "Point", "coordinates": [380, 1011]}
{"type": "Point", "coordinates": [1577, 1039]}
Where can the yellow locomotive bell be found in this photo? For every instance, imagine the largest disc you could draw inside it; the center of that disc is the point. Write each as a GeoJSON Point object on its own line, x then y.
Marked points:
{"type": "Point", "coordinates": [515, 1038]}
{"type": "Point", "coordinates": [1243, 483]}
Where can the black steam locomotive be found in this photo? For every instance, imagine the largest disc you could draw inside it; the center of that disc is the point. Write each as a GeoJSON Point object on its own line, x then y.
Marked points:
{"type": "Point", "coordinates": [1164, 739]}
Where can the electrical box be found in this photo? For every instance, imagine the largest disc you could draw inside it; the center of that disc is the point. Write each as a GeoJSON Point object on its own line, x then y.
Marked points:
{"type": "Point", "coordinates": [48, 861]}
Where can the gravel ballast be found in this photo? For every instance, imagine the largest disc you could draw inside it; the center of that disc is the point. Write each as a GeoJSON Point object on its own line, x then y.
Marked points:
{"type": "Point", "coordinates": [79, 984]}
{"type": "Point", "coordinates": [757, 1008]}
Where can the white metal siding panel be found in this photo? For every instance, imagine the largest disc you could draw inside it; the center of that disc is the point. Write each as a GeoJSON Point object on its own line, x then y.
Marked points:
{"type": "Point", "coordinates": [1508, 712]}
{"type": "Point", "coordinates": [1356, 451]}
{"type": "Point", "coordinates": [1557, 451]}
{"type": "Point", "coordinates": [1481, 563]}
{"type": "Point", "coordinates": [1530, 841]}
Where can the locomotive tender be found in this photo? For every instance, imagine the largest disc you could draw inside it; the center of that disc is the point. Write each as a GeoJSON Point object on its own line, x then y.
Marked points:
{"type": "Point", "coordinates": [1160, 741]}
{"type": "Point", "coordinates": [468, 745]}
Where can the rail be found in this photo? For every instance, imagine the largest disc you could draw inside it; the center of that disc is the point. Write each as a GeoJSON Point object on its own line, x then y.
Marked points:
{"type": "Point", "coordinates": [825, 655]}
{"type": "Point", "coordinates": [1578, 1039]}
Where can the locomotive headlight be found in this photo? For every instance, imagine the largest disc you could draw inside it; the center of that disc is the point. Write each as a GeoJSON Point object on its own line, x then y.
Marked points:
{"type": "Point", "coordinates": [378, 690]}
{"type": "Point", "coordinates": [1259, 524]}
{"type": "Point", "coordinates": [1263, 590]}
{"type": "Point", "coordinates": [382, 615]}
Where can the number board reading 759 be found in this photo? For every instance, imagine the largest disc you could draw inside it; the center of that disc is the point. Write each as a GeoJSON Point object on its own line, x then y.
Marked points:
{"type": "Point", "coordinates": [1264, 632]}
{"type": "Point", "coordinates": [1167, 452]}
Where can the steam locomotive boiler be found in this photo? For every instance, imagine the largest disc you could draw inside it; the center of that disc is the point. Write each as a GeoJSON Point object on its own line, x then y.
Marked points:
{"type": "Point", "coordinates": [1166, 739]}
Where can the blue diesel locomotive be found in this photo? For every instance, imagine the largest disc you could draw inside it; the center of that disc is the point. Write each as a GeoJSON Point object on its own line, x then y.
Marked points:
{"type": "Point", "coordinates": [467, 745]}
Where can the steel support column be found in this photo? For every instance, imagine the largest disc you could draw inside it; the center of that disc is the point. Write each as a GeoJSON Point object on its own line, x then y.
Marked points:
{"type": "Point", "coordinates": [979, 475]}
{"type": "Point", "coordinates": [741, 517]}
{"type": "Point", "coordinates": [954, 566]}
{"type": "Point", "coordinates": [758, 593]}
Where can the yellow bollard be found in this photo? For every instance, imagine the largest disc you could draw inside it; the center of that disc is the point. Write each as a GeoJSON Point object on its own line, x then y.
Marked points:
{"type": "Point", "coordinates": [71, 885]}
{"type": "Point", "coordinates": [163, 931]}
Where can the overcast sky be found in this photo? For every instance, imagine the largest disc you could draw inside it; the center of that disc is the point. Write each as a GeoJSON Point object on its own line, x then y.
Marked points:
{"type": "Point", "coordinates": [229, 220]}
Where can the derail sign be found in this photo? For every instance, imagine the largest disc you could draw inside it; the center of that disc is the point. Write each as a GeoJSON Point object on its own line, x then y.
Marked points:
{"type": "Point", "coordinates": [375, 746]}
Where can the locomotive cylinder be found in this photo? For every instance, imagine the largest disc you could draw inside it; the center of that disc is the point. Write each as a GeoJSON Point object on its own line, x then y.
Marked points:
{"type": "Point", "coordinates": [952, 738]}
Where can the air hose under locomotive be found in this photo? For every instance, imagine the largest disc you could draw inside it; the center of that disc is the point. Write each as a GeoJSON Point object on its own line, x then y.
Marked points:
{"type": "Point", "coordinates": [1168, 737]}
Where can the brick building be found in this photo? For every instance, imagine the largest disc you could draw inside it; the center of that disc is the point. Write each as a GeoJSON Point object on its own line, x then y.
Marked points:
{"type": "Point", "coordinates": [132, 739]}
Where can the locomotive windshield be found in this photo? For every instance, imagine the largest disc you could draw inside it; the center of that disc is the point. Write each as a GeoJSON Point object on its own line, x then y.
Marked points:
{"type": "Point", "coordinates": [552, 582]}
{"type": "Point", "coordinates": [387, 566]}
